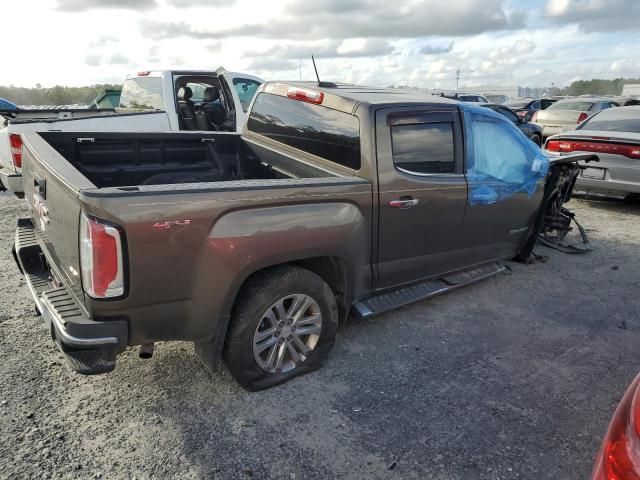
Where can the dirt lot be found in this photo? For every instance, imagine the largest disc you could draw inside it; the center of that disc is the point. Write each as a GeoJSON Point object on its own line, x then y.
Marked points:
{"type": "Point", "coordinates": [514, 377]}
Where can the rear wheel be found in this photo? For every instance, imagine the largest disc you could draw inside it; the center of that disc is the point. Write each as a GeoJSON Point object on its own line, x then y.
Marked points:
{"type": "Point", "coordinates": [537, 139]}
{"type": "Point", "coordinates": [284, 325]}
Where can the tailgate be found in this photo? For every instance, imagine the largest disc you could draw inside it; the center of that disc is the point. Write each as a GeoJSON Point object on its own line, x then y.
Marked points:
{"type": "Point", "coordinates": [51, 188]}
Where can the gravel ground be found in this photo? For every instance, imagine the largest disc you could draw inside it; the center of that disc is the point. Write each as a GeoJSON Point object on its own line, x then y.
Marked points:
{"type": "Point", "coordinates": [514, 377]}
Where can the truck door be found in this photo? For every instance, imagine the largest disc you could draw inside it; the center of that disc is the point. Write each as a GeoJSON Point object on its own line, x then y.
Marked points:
{"type": "Point", "coordinates": [422, 192]}
{"type": "Point", "coordinates": [505, 173]}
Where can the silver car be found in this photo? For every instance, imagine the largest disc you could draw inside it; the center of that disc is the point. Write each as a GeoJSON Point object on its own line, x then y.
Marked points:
{"type": "Point", "coordinates": [614, 135]}
{"type": "Point", "coordinates": [565, 114]}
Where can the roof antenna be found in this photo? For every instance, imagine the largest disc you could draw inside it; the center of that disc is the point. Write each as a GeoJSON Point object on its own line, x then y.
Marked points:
{"type": "Point", "coordinates": [320, 83]}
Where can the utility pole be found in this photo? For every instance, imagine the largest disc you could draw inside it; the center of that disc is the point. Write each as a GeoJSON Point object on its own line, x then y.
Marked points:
{"type": "Point", "coordinates": [457, 79]}
{"type": "Point", "coordinates": [300, 68]}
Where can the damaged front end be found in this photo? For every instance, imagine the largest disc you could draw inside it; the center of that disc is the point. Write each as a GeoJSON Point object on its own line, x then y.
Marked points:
{"type": "Point", "coordinates": [554, 219]}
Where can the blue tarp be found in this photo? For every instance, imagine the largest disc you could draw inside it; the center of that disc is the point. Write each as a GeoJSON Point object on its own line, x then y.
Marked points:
{"type": "Point", "coordinates": [6, 105]}
{"type": "Point", "coordinates": [501, 160]}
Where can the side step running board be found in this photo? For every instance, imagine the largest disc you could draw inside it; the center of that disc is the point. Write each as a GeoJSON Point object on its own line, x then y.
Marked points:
{"type": "Point", "coordinates": [419, 291]}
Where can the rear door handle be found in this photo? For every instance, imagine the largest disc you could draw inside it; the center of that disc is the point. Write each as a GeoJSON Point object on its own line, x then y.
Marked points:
{"type": "Point", "coordinates": [404, 202]}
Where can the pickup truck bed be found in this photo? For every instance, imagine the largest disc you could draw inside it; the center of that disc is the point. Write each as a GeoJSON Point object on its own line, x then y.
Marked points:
{"type": "Point", "coordinates": [130, 160]}
{"type": "Point", "coordinates": [230, 192]}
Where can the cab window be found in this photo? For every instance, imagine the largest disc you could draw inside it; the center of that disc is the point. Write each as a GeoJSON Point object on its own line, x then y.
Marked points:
{"type": "Point", "coordinates": [426, 148]}
{"type": "Point", "coordinates": [246, 89]}
{"type": "Point", "coordinates": [144, 93]}
{"type": "Point", "coordinates": [501, 160]}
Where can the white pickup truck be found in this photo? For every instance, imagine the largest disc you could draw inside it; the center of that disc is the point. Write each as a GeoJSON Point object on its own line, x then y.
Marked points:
{"type": "Point", "coordinates": [152, 101]}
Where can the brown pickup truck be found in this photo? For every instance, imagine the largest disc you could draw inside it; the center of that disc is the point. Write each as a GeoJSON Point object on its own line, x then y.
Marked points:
{"type": "Point", "coordinates": [336, 200]}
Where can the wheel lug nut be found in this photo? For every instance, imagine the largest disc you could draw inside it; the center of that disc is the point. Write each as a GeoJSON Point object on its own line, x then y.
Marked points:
{"type": "Point", "coordinates": [277, 334]}
{"type": "Point", "coordinates": [281, 324]}
{"type": "Point", "coordinates": [289, 337]}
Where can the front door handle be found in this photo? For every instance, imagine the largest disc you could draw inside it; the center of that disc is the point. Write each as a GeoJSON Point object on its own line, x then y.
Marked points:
{"type": "Point", "coordinates": [404, 202]}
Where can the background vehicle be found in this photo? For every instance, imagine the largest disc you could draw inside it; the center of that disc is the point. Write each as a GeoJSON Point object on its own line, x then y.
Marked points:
{"type": "Point", "coordinates": [170, 100]}
{"type": "Point", "coordinates": [531, 130]}
{"type": "Point", "coordinates": [256, 245]}
{"type": "Point", "coordinates": [617, 457]}
{"type": "Point", "coordinates": [496, 98]}
{"type": "Point", "coordinates": [565, 114]}
{"type": "Point", "coordinates": [465, 97]}
{"type": "Point", "coordinates": [526, 107]}
{"type": "Point", "coordinates": [613, 134]}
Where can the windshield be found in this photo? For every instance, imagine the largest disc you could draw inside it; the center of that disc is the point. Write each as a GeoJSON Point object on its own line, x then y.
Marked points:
{"type": "Point", "coordinates": [572, 105]}
{"type": "Point", "coordinates": [624, 119]}
{"type": "Point", "coordinates": [246, 89]}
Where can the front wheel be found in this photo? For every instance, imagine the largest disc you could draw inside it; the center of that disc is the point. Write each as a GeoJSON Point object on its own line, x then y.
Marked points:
{"type": "Point", "coordinates": [283, 325]}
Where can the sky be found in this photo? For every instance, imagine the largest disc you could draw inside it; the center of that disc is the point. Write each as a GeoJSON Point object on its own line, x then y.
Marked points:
{"type": "Point", "coordinates": [421, 43]}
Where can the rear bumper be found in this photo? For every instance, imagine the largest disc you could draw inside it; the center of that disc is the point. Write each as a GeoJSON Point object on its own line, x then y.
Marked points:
{"type": "Point", "coordinates": [12, 181]}
{"type": "Point", "coordinates": [606, 187]}
{"type": "Point", "coordinates": [88, 345]}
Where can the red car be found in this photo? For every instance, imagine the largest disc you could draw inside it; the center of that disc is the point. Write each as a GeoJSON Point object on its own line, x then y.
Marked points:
{"type": "Point", "coordinates": [619, 455]}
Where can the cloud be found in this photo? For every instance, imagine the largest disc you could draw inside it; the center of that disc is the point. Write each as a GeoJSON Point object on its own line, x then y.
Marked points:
{"type": "Point", "coordinates": [103, 40]}
{"type": "Point", "coordinates": [93, 60]}
{"type": "Point", "coordinates": [435, 49]}
{"type": "Point", "coordinates": [365, 19]}
{"type": "Point", "coordinates": [84, 5]}
{"type": "Point", "coordinates": [200, 3]}
{"type": "Point", "coordinates": [214, 47]}
{"type": "Point", "coordinates": [269, 64]}
{"type": "Point", "coordinates": [595, 15]}
{"type": "Point", "coordinates": [156, 30]}
{"type": "Point", "coordinates": [353, 48]}
{"type": "Point", "coordinates": [118, 59]}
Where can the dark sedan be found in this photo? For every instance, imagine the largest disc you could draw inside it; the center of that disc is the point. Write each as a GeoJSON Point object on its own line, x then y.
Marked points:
{"type": "Point", "coordinates": [531, 130]}
{"type": "Point", "coordinates": [525, 108]}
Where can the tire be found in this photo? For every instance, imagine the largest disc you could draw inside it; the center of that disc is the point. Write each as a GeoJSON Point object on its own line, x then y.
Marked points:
{"type": "Point", "coordinates": [257, 313]}
{"type": "Point", "coordinates": [535, 138]}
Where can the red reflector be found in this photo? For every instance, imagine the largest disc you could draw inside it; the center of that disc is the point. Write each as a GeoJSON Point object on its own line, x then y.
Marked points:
{"type": "Point", "coordinates": [565, 146]}
{"type": "Point", "coordinates": [305, 95]}
{"type": "Point", "coordinates": [583, 116]}
{"type": "Point", "coordinates": [15, 141]}
{"type": "Point", "coordinates": [144, 74]}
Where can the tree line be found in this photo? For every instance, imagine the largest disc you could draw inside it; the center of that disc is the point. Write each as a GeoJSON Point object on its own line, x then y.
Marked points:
{"type": "Point", "coordinates": [598, 86]}
{"type": "Point", "coordinates": [60, 95]}
{"type": "Point", "coordinates": [57, 95]}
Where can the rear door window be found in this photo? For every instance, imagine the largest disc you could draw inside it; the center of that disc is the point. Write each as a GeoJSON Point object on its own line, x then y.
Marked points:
{"type": "Point", "coordinates": [321, 131]}
{"type": "Point", "coordinates": [426, 148]}
{"type": "Point", "coordinates": [144, 93]}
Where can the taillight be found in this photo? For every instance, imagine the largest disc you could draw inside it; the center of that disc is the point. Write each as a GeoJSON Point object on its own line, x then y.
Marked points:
{"type": "Point", "coordinates": [552, 145]}
{"type": "Point", "coordinates": [305, 95]}
{"type": "Point", "coordinates": [620, 454]}
{"type": "Point", "coordinates": [582, 117]}
{"type": "Point", "coordinates": [534, 117]}
{"type": "Point", "coordinates": [566, 146]}
{"type": "Point", "coordinates": [101, 258]}
{"type": "Point", "coordinates": [15, 142]}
